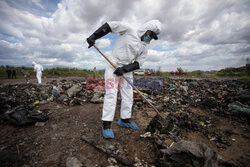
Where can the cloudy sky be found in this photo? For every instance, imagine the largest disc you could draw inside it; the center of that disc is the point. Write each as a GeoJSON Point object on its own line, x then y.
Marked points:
{"type": "Point", "coordinates": [196, 34]}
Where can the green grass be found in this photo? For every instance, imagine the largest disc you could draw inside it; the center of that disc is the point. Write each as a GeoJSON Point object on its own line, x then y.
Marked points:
{"type": "Point", "coordinates": [241, 74]}
{"type": "Point", "coordinates": [245, 78]}
{"type": "Point", "coordinates": [195, 74]}
{"type": "Point", "coordinates": [232, 73]}
{"type": "Point", "coordinates": [52, 72]}
{"type": "Point", "coordinates": [71, 72]}
{"type": "Point", "coordinates": [55, 72]}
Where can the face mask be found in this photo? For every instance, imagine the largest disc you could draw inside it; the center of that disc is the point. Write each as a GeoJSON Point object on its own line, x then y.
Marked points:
{"type": "Point", "coordinates": [147, 39]}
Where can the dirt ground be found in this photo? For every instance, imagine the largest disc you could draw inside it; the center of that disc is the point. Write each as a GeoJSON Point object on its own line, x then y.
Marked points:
{"type": "Point", "coordinates": [64, 135]}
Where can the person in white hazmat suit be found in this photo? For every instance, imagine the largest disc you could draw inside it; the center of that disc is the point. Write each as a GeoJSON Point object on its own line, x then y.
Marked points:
{"type": "Point", "coordinates": [128, 54]}
{"type": "Point", "coordinates": [38, 69]}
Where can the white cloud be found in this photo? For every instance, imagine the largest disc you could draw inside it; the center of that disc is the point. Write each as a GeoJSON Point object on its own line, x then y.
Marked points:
{"type": "Point", "coordinates": [103, 43]}
{"type": "Point", "coordinates": [206, 34]}
{"type": "Point", "coordinates": [38, 3]}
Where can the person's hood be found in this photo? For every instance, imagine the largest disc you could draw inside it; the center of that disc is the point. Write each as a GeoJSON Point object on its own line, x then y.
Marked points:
{"type": "Point", "coordinates": [153, 25]}
{"type": "Point", "coordinates": [33, 63]}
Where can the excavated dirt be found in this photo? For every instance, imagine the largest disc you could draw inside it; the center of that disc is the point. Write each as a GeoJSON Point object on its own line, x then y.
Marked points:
{"type": "Point", "coordinates": [61, 137]}
{"type": "Point", "coordinates": [69, 127]}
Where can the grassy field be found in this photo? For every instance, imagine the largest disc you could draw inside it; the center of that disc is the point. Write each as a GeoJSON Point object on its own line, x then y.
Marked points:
{"type": "Point", "coordinates": [52, 72]}
{"type": "Point", "coordinates": [239, 73]}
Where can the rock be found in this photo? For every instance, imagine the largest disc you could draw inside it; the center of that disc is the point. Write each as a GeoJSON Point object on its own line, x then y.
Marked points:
{"type": "Point", "coordinates": [73, 162]}
{"type": "Point", "coordinates": [185, 88]}
{"type": "Point", "coordinates": [196, 154]}
{"type": "Point", "coordinates": [62, 98]}
{"type": "Point", "coordinates": [194, 84]}
{"type": "Point", "coordinates": [76, 101]}
{"type": "Point", "coordinates": [44, 95]}
{"type": "Point", "coordinates": [51, 98]}
{"type": "Point", "coordinates": [43, 102]}
{"type": "Point", "coordinates": [244, 96]}
{"type": "Point", "coordinates": [112, 161]}
{"type": "Point", "coordinates": [40, 124]}
{"type": "Point", "coordinates": [74, 90]}
{"type": "Point", "coordinates": [98, 96]}
{"type": "Point", "coordinates": [147, 134]}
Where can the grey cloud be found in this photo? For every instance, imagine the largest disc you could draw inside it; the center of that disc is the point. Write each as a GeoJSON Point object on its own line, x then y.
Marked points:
{"type": "Point", "coordinates": [185, 24]}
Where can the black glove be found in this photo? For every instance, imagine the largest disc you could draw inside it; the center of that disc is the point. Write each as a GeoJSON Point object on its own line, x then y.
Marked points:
{"type": "Point", "coordinates": [100, 32]}
{"type": "Point", "coordinates": [127, 68]}
{"type": "Point", "coordinates": [119, 71]}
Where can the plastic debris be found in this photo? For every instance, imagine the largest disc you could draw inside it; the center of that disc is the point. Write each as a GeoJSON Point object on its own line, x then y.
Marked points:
{"type": "Point", "coordinates": [187, 153]}
{"type": "Point", "coordinates": [145, 135]}
{"type": "Point", "coordinates": [55, 91]}
{"type": "Point", "coordinates": [202, 123]}
{"type": "Point", "coordinates": [110, 147]}
{"type": "Point", "coordinates": [21, 116]}
{"type": "Point", "coordinates": [239, 109]}
{"type": "Point", "coordinates": [36, 102]}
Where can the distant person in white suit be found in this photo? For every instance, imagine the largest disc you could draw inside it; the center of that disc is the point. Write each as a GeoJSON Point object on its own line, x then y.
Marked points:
{"type": "Point", "coordinates": [38, 69]}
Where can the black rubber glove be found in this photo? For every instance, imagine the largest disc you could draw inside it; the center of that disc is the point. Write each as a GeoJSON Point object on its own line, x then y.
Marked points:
{"type": "Point", "coordinates": [119, 71]}
{"type": "Point", "coordinates": [127, 68]}
{"type": "Point", "coordinates": [100, 32]}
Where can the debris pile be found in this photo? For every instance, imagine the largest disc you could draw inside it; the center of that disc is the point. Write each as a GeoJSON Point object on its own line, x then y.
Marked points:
{"type": "Point", "coordinates": [187, 153]}
{"type": "Point", "coordinates": [68, 92]}
{"type": "Point", "coordinates": [178, 98]}
{"type": "Point", "coordinates": [176, 95]}
{"type": "Point", "coordinates": [19, 100]}
{"type": "Point", "coordinates": [74, 92]}
{"type": "Point", "coordinates": [22, 94]}
{"type": "Point", "coordinates": [22, 115]}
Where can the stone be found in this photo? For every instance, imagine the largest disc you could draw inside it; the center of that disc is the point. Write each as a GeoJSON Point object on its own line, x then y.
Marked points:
{"type": "Point", "coordinates": [73, 162]}
{"type": "Point", "coordinates": [74, 90]}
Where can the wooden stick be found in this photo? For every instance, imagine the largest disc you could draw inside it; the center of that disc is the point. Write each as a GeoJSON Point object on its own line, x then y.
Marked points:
{"type": "Point", "coordinates": [119, 159]}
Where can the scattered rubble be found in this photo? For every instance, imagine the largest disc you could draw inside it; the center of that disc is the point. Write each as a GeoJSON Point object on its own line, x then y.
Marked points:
{"type": "Point", "coordinates": [68, 92]}
{"type": "Point", "coordinates": [187, 153]}
{"type": "Point", "coordinates": [223, 98]}
{"type": "Point", "coordinates": [239, 109]}
{"type": "Point", "coordinates": [112, 162]}
{"type": "Point", "coordinates": [21, 116]}
{"type": "Point", "coordinates": [17, 101]}
{"type": "Point", "coordinates": [175, 97]}
{"type": "Point", "coordinates": [214, 96]}
{"type": "Point", "coordinates": [98, 96]}
{"type": "Point", "coordinates": [74, 90]}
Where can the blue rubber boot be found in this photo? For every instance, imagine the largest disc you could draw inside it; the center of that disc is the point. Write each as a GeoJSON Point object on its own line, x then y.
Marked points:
{"type": "Point", "coordinates": [107, 133]}
{"type": "Point", "coordinates": [131, 125]}
{"type": "Point", "coordinates": [38, 84]}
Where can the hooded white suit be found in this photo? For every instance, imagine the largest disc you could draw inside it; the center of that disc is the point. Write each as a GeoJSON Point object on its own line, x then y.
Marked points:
{"type": "Point", "coordinates": [127, 49]}
{"type": "Point", "coordinates": [38, 69]}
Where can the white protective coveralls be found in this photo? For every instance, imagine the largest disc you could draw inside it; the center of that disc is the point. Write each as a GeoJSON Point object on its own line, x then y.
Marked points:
{"type": "Point", "coordinates": [38, 69]}
{"type": "Point", "coordinates": [127, 49]}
